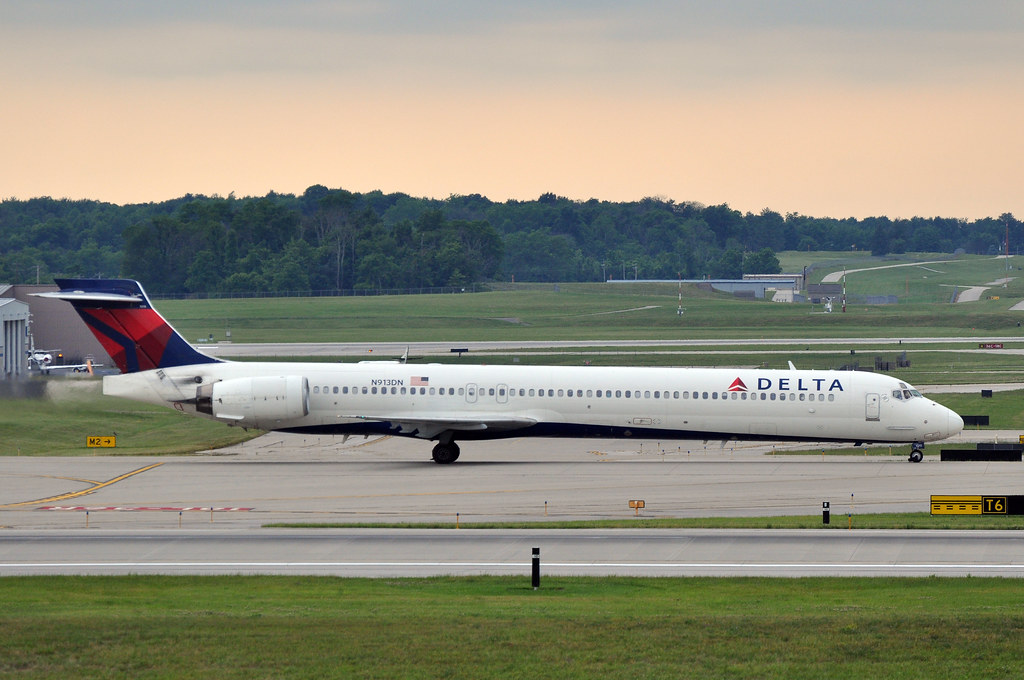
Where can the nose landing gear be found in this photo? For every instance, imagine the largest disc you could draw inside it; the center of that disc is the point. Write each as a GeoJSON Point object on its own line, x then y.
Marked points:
{"type": "Point", "coordinates": [916, 452]}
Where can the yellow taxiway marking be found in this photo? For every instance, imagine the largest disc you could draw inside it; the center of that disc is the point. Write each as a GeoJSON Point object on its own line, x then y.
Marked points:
{"type": "Point", "coordinates": [75, 494]}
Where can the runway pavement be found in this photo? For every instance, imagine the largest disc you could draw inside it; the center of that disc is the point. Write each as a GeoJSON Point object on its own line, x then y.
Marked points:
{"type": "Point", "coordinates": [205, 513]}
{"type": "Point", "coordinates": [412, 552]}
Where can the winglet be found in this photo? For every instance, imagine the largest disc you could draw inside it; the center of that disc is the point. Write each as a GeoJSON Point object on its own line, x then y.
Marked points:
{"type": "Point", "coordinates": [121, 317]}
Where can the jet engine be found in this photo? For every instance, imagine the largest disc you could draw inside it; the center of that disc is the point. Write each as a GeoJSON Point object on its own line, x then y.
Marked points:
{"type": "Point", "coordinates": [262, 402]}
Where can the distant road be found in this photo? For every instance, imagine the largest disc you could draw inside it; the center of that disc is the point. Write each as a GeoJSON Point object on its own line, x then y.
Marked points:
{"type": "Point", "coordinates": [834, 277]}
{"type": "Point", "coordinates": [394, 350]}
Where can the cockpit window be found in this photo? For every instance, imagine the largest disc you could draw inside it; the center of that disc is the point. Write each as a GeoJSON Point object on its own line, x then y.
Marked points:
{"type": "Point", "coordinates": [897, 394]}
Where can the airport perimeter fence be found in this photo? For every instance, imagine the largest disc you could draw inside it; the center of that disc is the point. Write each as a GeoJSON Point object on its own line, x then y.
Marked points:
{"type": "Point", "coordinates": [348, 292]}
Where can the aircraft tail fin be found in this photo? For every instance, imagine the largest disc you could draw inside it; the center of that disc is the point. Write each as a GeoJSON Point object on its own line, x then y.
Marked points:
{"type": "Point", "coordinates": [121, 317]}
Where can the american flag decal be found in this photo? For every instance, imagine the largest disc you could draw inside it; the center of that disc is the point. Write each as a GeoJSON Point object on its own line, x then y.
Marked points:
{"type": "Point", "coordinates": [419, 380]}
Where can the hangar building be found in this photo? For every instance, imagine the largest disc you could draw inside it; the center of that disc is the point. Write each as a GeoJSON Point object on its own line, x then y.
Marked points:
{"type": "Point", "coordinates": [14, 338]}
{"type": "Point", "coordinates": [53, 324]}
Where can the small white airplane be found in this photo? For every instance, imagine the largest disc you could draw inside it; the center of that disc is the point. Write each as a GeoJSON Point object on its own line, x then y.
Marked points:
{"type": "Point", "coordinates": [42, 361]}
{"type": "Point", "coordinates": [446, 403]}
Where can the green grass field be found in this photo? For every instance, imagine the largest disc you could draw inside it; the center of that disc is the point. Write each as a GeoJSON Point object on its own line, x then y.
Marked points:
{"type": "Point", "coordinates": [482, 627]}
{"type": "Point", "coordinates": [72, 410]}
{"type": "Point", "coordinates": [620, 311]}
{"type": "Point", "coordinates": [839, 521]}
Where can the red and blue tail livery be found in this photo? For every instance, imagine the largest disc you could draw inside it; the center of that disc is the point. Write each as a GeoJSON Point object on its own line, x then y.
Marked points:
{"type": "Point", "coordinates": [121, 317]}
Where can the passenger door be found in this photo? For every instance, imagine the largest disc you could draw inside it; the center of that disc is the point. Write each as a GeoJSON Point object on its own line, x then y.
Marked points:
{"type": "Point", "coordinates": [871, 407]}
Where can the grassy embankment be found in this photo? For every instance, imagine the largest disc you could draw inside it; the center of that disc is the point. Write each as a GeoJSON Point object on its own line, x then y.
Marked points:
{"type": "Point", "coordinates": [483, 627]}
{"type": "Point", "coordinates": [58, 424]}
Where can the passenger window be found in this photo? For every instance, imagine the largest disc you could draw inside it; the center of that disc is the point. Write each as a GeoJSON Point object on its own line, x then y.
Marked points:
{"type": "Point", "coordinates": [773, 396]}
{"type": "Point", "coordinates": [618, 393]}
{"type": "Point", "coordinates": [675, 395]}
{"type": "Point", "coordinates": [490, 392]}
{"type": "Point", "coordinates": [647, 394]}
{"type": "Point", "coordinates": [831, 397]}
{"type": "Point", "coordinates": [801, 397]}
{"type": "Point", "coordinates": [531, 392]}
{"type": "Point", "coordinates": [589, 393]}
{"type": "Point", "coordinates": [736, 396]}
{"type": "Point", "coordinates": [714, 395]}
{"type": "Point", "coordinates": [316, 389]}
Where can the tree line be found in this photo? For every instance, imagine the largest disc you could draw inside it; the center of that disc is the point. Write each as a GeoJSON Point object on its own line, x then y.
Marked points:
{"type": "Point", "coordinates": [333, 239]}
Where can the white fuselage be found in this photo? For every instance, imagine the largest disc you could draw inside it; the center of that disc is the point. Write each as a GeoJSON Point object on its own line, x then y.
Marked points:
{"type": "Point", "coordinates": [434, 401]}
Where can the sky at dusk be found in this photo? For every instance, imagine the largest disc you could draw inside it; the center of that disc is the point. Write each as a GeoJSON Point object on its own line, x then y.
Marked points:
{"type": "Point", "coordinates": [839, 109]}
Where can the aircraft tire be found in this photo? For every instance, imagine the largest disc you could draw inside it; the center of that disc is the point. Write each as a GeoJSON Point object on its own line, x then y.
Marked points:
{"type": "Point", "coordinates": [445, 454]}
{"type": "Point", "coordinates": [916, 456]}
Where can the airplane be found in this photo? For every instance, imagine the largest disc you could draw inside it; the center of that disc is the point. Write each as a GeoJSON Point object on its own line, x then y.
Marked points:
{"type": "Point", "coordinates": [42, 361]}
{"type": "Point", "coordinates": [451, 403]}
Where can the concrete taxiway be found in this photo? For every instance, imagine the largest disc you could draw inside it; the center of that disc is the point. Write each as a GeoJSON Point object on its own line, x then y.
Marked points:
{"type": "Point", "coordinates": [206, 513]}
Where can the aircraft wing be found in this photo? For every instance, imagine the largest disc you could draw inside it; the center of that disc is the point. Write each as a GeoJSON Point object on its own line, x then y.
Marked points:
{"type": "Point", "coordinates": [75, 368]}
{"type": "Point", "coordinates": [430, 426]}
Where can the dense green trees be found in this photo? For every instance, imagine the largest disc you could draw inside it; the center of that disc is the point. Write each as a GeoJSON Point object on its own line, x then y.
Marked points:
{"type": "Point", "coordinates": [333, 239]}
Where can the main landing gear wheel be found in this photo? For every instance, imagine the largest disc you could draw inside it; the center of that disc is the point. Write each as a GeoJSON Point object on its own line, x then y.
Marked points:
{"type": "Point", "coordinates": [917, 452]}
{"type": "Point", "coordinates": [446, 453]}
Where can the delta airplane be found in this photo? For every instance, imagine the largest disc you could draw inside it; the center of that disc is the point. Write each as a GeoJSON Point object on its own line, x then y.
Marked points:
{"type": "Point", "coordinates": [446, 403]}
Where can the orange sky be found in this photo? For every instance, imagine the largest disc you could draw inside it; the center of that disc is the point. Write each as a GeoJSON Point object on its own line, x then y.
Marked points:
{"type": "Point", "coordinates": [758, 104]}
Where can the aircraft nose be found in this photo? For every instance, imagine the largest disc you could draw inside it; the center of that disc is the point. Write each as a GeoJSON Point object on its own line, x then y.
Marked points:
{"type": "Point", "coordinates": [954, 423]}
